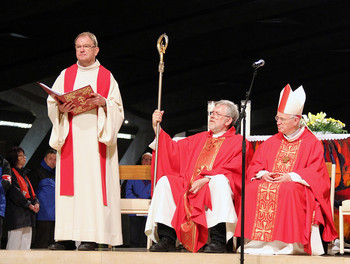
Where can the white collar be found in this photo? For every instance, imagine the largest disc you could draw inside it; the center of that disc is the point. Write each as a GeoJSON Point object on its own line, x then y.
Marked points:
{"type": "Point", "coordinates": [295, 135]}
{"type": "Point", "coordinates": [95, 65]}
{"type": "Point", "coordinates": [218, 134]}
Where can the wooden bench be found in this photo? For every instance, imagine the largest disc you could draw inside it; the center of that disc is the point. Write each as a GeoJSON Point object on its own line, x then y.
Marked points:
{"type": "Point", "coordinates": [135, 206]}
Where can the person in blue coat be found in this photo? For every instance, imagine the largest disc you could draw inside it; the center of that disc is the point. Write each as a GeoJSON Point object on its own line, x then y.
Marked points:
{"type": "Point", "coordinates": [5, 179]}
{"type": "Point", "coordinates": [139, 189]}
{"type": "Point", "coordinates": [43, 180]}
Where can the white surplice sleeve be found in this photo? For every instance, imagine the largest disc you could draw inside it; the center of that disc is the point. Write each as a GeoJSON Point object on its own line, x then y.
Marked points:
{"type": "Point", "coordinates": [60, 123]}
{"type": "Point", "coordinates": [109, 123]}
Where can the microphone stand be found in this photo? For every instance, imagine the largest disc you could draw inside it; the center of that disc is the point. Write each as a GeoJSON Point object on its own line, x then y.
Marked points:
{"type": "Point", "coordinates": [242, 117]}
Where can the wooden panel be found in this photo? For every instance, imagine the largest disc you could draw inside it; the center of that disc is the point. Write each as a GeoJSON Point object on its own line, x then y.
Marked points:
{"type": "Point", "coordinates": [134, 206]}
{"type": "Point", "coordinates": [329, 168]}
{"type": "Point", "coordinates": [135, 172]}
{"type": "Point", "coordinates": [346, 207]}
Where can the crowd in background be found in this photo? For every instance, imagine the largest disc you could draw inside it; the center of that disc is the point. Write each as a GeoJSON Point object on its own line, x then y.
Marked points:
{"type": "Point", "coordinates": [27, 201]}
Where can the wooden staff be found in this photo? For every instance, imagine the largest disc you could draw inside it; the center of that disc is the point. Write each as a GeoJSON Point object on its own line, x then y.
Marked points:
{"type": "Point", "coordinates": [162, 44]}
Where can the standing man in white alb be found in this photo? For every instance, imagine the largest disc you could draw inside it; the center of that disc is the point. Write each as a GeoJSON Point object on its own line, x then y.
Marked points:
{"type": "Point", "coordinates": [87, 175]}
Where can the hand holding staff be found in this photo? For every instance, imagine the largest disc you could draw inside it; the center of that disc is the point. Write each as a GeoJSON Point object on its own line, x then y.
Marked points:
{"type": "Point", "coordinates": [162, 44]}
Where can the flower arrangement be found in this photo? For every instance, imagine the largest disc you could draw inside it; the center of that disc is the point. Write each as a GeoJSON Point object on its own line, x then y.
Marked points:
{"type": "Point", "coordinates": [319, 123]}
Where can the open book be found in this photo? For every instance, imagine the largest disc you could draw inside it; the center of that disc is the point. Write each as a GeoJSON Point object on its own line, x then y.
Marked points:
{"type": "Point", "coordinates": [77, 97]}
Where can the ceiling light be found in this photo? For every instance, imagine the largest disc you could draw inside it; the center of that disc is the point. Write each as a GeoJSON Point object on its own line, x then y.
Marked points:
{"type": "Point", "coordinates": [16, 35]}
{"type": "Point", "coordinates": [125, 136]}
{"type": "Point", "coordinates": [15, 124]}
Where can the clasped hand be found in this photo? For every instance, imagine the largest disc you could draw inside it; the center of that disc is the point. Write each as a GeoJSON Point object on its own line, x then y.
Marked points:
{"type": "Point", "coordinates": [276, 177]}
{"type": "Point", "coordinates": [35, 208]}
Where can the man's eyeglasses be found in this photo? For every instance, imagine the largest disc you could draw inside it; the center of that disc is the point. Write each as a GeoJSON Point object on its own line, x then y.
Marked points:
{"type": "Point", "coordinates": [284, 119]}
{"type": "Point", "coordinates": [78, 47]}
{"type": "Point", "coordinates": [214, 113]}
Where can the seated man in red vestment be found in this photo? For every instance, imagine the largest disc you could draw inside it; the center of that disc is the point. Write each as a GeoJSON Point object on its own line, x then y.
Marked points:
{"type": "Point", "coordinates": [198, 185]}
{"type": "Point", "coordinates": [288, 196]}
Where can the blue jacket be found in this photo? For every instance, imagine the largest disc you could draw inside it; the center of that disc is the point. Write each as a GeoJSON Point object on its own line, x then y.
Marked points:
{"type": "Point", "coordinates": [46, 195]}
{"type": "Point", "coordinates": [5, 169]}
{"type": "Point", "coordinates": [44, 183]}
{"type": "Point", "coordinates": [138, 189]}
{"type": "Point", "coordinates": [2, 198]}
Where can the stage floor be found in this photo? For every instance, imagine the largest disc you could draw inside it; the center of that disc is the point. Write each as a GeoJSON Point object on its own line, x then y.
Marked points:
{"type": "Point", "coordinates": [140, 256]}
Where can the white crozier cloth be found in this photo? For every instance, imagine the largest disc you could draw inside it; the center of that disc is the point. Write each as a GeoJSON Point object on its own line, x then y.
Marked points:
{"type": "Point", "coordinates": [277, 247]}
{"type": "Point", "coordinates": [83, 217]}
{"type": "Point", "coordinates": [163, 206]}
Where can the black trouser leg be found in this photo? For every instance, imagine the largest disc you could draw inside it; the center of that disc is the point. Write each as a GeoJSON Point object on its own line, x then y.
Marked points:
{"type": "Point", "coordinates": [164, 230]}
{"type": "Point", "coordinates": [218, 233]}
{"type": "Point", "coordinates": [44, 234]}
{"type": "Point", "coordinates": [137, 234]}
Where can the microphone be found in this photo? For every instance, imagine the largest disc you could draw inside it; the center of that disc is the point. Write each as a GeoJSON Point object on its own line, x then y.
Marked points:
{"type": "Point", "coordinates": [258, 64]}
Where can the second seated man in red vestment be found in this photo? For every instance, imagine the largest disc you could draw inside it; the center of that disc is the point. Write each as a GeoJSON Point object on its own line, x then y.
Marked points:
{"type": "Point", "coordinates": [288, 197]}
{"type": "Point", "coordinates": [198, 185]}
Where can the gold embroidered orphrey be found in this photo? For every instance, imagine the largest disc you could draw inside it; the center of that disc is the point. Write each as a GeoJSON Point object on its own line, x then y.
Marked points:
{"type": "Point", "coordinates": [267, 196]}
{"type": "Point", "coordinates": [205, 161]}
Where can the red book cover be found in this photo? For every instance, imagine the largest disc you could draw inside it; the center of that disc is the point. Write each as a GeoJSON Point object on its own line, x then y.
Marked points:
{"type": "Point", "coordinates": [77, 97]}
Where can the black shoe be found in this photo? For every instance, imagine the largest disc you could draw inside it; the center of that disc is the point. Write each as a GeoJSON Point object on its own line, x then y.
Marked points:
{"type": "Point", "coordinates": [165, 244]}
{"type": "Point", "coordinates": [61, 246]}
{"type": "Point", "coordinates": [87, 246]}
{"type": "Point", "coordinates": [215, 247]}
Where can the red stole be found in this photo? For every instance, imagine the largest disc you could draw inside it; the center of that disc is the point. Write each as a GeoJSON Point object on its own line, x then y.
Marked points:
{"type": "Point", "coordinates": [67, 162]}
{"type": "Point", "coordinates": [23, 185]}
{"type": "Point", "coordinates": [189, 229]}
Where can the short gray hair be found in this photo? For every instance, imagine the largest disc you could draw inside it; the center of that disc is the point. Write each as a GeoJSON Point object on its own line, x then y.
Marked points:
{"type": "Point", "coordinates": [146, 154]}
{"type": "Point", "coordinates": [231, 109]}
{"type": "Point", "coordinates": [90, 35]}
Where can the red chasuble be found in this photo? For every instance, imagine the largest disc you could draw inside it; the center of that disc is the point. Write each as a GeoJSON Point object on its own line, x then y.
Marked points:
{"type": "Point", "coordinates": [286, 211]}
{"type": "Point", "coordinates": [67, 162]}
{"type": "Point", "coordinates": [188, 160]}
